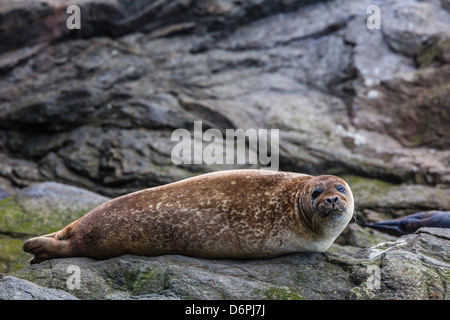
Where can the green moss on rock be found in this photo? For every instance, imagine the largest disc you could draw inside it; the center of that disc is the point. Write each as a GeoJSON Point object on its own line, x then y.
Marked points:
{"type": "Point", "coordinates": [146, 282]}
{"type": "Point", "coordinates": [36, 210]}
{"type": "Point", "coordinates": [12, 218]}
{"type": "Point", "coordinates": [279, 293]}
{"type": "Point", "coordinates": [433, 53]}
{"type": "Point", "coordinates": [12, 257]}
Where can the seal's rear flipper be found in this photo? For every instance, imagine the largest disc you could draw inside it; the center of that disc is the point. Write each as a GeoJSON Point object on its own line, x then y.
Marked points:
{"type": "Point", "coordinates": [46, 247]}
{"type": "Point", "coordinates": [391, 227]}
{"type": "Point", "coordinates": [409, 224]}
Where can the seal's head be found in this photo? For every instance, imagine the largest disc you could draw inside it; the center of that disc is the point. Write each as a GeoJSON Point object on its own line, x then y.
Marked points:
{"type": "Point", "coordinates": [331, 197]}
{"type": "Point", "coordinates": [328, 202]}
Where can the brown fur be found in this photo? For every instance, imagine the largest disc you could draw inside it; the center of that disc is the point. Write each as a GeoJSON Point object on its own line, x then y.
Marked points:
{"type": "Point", "coordinates": [227, 214]}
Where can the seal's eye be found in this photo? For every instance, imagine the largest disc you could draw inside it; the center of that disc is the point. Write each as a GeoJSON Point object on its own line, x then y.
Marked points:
{"type": "Point", "coordinates": [316, 193]}
{"type": "Point", "coordinates": [341, 189]}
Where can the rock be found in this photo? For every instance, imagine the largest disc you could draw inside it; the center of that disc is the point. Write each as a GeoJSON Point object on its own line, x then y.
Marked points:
{"type": "Point", "coordinates": [446, 4]}
{"type": "Point", "coordinates": [46, 207]}
{"type": "Point", "coordinates": [406, 269]}
{"type": "Point", "coordinates": [12, 288]}
{"type": "Point", "coordinates": [357, 236]}
{"type": "Point", "coordinates": [45, 21]}
{"type": "Point", "coordinates": [12, 256]}
{"type": "Point", "coordinates": [36, 210]}
{"type": "Point", "coordinates": [343, 104]}
{"type": "Point", "coordinates": [401, 105]}
{"type": "Point", "coordinates": [393, 200]}
{"type": "Point", "coordinates": [114, 161]}
{"type": "Point", "coordinates": [413, 267]}
{"type": "Point", "coordinates": [407, 28]}
{"type": "Point", "coordinates": [19, 172]}
{"type": "Point", "coordinates": [6, 188]}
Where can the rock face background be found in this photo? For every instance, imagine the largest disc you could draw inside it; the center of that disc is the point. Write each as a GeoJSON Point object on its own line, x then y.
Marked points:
{"type": "Point", "coordinates": [95, 108]}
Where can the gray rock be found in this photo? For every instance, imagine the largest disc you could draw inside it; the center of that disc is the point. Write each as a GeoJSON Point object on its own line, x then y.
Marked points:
{"type": "Point", "coordinates": [47, 21]}
{"type": "Point", "coordinates": [445, 4]}
{"type": "Point", "coordinates": [312, 70]}
{"type": "Point", "coordinates": [407, 27]}
{"type": "Point", "coordinates": [55, 205]}
{"type": "Point", "coordinates": [413, 267]}
{"type": "Point", "coordinates": [12, 288]}
{"type": "Point", "coordinates": [355, 235]}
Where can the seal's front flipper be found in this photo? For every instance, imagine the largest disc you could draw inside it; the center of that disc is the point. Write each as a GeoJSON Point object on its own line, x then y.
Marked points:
{"type": "Point", "coordinates": [67, 232]}
{"type": "Point", "coordinates": [45, 248]}
{"type": "Point", "coordinates": [409, 224]}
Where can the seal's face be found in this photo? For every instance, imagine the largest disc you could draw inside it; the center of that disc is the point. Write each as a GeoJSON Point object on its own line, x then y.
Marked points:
{"type": "Point", "coordinates": [330, 199]}
{"type": "Point", "coordinates": [330, 196]}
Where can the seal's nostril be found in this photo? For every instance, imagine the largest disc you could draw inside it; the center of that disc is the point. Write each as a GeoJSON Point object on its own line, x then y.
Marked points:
{"type": "Point", "coordinates": [332, 200]}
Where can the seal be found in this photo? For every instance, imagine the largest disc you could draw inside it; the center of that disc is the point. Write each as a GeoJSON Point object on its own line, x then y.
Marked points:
{"type": "Point", "coordinates": [410, 223]}
{"type": "Point", "coordinates": [226, 214]}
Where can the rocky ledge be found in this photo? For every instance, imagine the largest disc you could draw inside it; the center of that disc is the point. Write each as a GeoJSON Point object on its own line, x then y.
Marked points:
{"type": "Point", "coordinates": [415, 266]}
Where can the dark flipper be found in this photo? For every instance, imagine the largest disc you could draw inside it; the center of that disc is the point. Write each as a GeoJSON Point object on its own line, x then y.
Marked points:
{"type": "Point", "coordinates": [409, 224]}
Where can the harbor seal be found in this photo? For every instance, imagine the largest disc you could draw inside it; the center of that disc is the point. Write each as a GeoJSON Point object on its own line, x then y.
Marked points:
{"type": "Point", "coordinates": [226, 214]}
